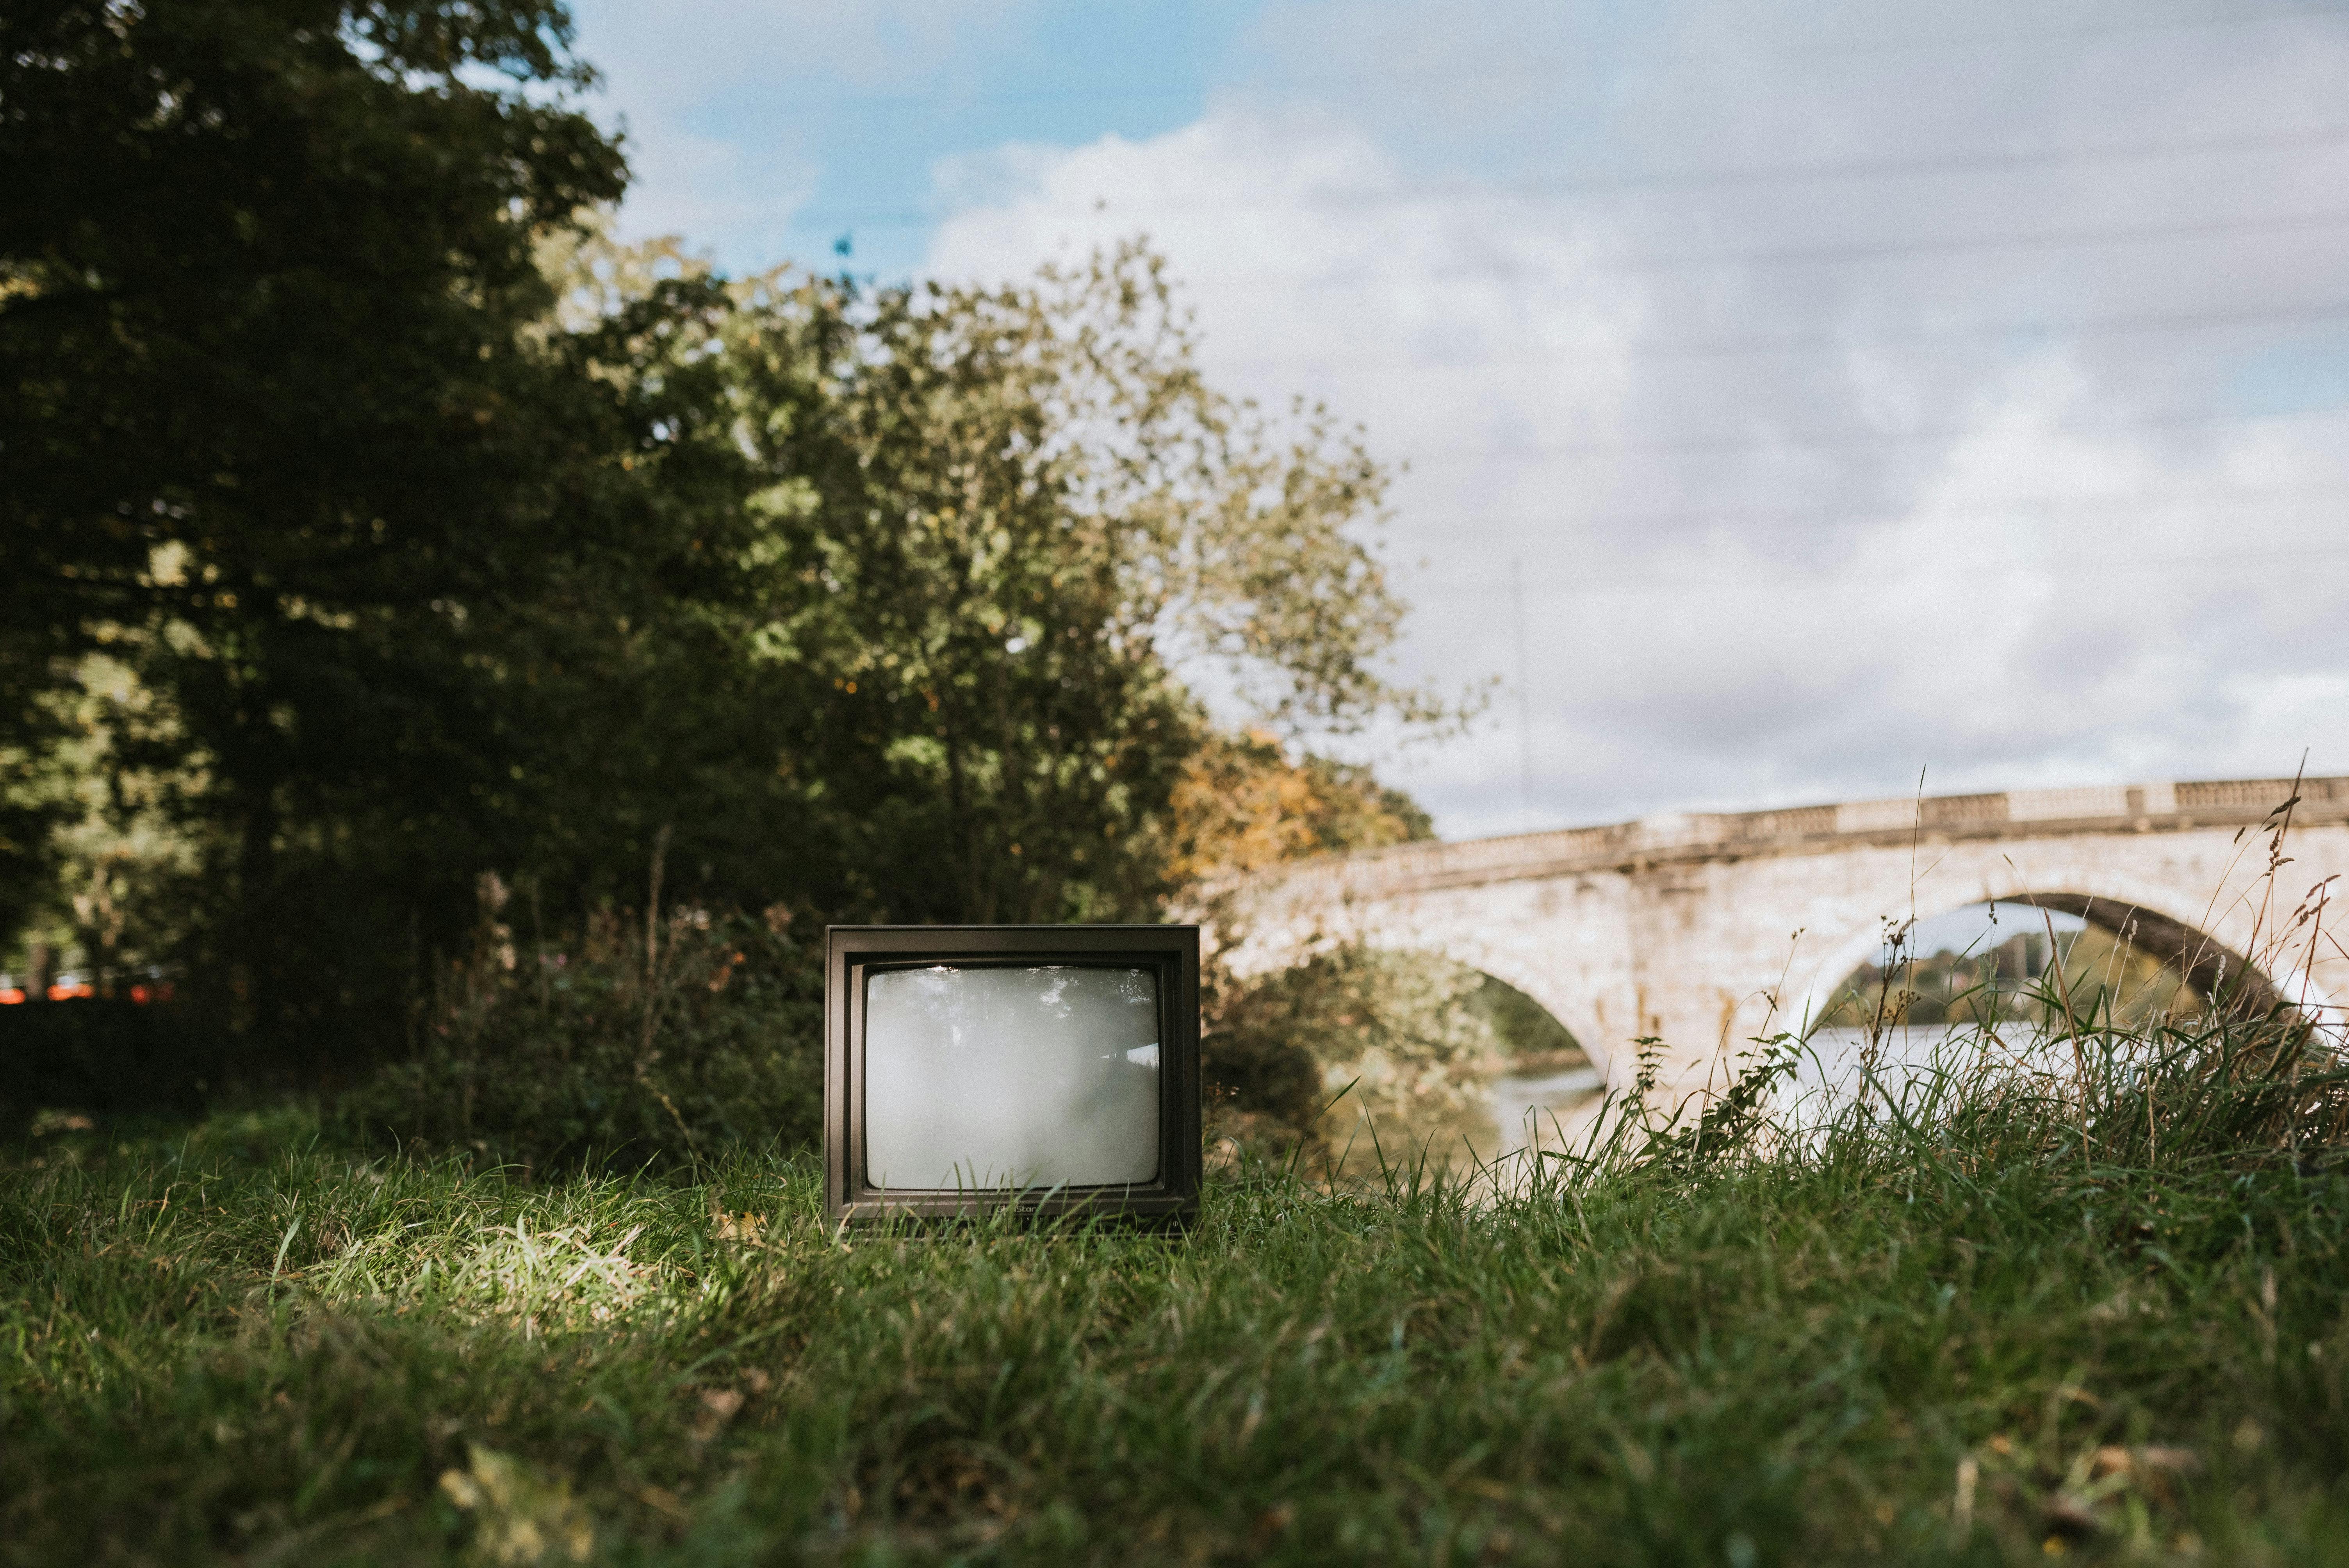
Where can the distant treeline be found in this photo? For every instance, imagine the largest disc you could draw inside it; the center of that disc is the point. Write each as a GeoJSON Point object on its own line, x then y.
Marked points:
{"type": "Point", "coordinates": [2028, 978]}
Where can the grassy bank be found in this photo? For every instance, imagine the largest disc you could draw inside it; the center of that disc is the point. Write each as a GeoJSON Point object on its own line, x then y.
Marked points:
{"type": "Point", "coordinates": [2012, 1329]}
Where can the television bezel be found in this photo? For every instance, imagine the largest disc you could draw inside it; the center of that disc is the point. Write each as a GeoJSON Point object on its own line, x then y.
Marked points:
{"type": "Point", "coordinates": [853, 951]}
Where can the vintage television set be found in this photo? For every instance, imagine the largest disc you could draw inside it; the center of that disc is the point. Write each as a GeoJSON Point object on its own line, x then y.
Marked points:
{"type": "Point", "coordinates": [1050, 1069]}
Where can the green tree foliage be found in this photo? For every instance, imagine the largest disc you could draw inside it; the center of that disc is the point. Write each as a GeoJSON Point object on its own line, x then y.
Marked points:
{"type": "Point", "coordinates": [1018, 524]}
{"type": "Point", "coordinates": [633, 1040]}
{"type": "Point", "coordinates": [946, 687]}
{"type": "Point", "coordinates": [286, 438]}
{"type": "Point", "coordinates": [373, 524]}
{"type": "Point", "coordinates": [1352, 1032]}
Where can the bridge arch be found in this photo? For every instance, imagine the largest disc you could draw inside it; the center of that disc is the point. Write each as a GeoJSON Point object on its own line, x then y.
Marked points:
{"type": "Point", "coordinates": [1511, 932]}
{"type": "Point", "coordinates": [2205, 939]}
{"type": "Point", "coordinates": [1705, 931]}
{"type": "Point", "coordinates": [1513, 972]}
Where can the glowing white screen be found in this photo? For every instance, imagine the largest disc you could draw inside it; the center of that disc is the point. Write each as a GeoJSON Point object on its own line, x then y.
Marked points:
{"type": "Point", "coordinates": [1011, 1078]}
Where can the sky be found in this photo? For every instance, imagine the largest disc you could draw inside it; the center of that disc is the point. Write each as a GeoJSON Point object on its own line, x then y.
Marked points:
{"type": "Point", "coordinates": [1790, 399]}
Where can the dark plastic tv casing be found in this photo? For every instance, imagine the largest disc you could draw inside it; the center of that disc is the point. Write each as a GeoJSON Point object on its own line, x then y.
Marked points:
{"type": "Point", "coordinates": [852, 952]}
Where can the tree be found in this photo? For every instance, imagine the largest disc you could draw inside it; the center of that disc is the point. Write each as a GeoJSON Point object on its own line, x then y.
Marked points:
{"type": "Point", "coordinates": [945, 673]}
{"type": "Point", "coordinates": [1020, 528]}
{"type": "Point", "coordinates": [420, 548]}
{"type": "Point", "coordinates": [1243, 805]}
{"type": "Point", "coordinates": [284, 437]}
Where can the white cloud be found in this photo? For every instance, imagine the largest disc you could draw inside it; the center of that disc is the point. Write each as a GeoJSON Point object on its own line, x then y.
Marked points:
{"type": "Point", "coordinates": [1756, 576]}
{"type": "Point", "coordinates": [724, 101]}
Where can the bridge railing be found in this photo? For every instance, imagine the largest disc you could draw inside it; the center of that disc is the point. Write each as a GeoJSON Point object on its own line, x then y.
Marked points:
{"type": "Point", "coordinates": [1370, 873]}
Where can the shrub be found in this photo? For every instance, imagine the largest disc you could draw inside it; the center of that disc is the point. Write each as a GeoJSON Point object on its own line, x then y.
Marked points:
{"type": "Point", "coordinates": [643, 1040]}
{"type": "Point", "coordinates": [107, 1057]}
{"type": "Point", "coordinates": [1407, 1031]}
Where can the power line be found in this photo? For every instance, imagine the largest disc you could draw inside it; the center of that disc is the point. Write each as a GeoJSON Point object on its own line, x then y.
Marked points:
{"type": "Point", "coordinates": [2102, 564]}
{"type": "Point", "coordinates": [1805, 519]}
{"type": "Point", "coordinates": [1524, 701]}
{"type": "Point", "coordinates": [2010, 161]}
{"type": "Point", "coordinates": [1780, 442]}
{"type": "Point", "coordinates": [1132, 91]}
{"type": "Point", "coordinates": [2153, 323]}
{"type": "Point", "coordinates": [1872, 250]}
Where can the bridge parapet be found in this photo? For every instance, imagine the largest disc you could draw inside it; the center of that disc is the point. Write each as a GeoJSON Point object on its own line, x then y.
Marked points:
{"type": "Point", "coordinates": [1703, 836]}
{"type": "Point", "coordinates": [1705, 929]}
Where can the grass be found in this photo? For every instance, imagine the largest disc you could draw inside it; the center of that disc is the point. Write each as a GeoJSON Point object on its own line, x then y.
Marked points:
{"type": "Point", "coordinates": [2000, 1325]}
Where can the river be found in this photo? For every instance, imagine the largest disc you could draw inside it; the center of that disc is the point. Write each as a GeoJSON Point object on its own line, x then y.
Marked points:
{"type": "Point", "coordinates": [1549, 1109]}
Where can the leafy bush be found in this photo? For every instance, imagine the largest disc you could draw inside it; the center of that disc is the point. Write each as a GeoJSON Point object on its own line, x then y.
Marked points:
{"type": "Point", "coordinates": [1407, 1031]}
{"type": "Point", "coordinates": [551, 1059]}
{"type": "Point", "coordinates": [644, 1040]}
{"type": "Point", "coordinates": [109, 1057]}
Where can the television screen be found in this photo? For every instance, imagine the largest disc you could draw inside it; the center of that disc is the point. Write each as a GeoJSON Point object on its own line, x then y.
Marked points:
{"type": "Point", "coordinates": [1018, 1077]}
{"type": "Point", "coordinates": [1052, 1067]}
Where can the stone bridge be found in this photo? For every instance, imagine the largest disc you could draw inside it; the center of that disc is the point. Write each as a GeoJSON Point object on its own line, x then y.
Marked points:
{"type": "Point", "coordinates": [1708, 929]}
